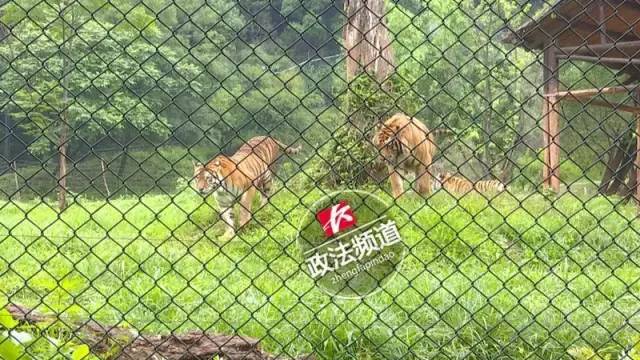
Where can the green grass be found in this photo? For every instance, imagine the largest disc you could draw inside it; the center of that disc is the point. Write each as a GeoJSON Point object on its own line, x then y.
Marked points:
{"type": "Point", "coordinates": [517, 276]}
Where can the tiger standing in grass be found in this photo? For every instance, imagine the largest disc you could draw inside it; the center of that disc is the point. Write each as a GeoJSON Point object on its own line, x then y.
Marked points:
{"type": "Point", "coordinates": [237, 178]}
{"type": "Point", "coordinates": [406, 144]}
{"type": "Point", "coordinates": [459, 185]}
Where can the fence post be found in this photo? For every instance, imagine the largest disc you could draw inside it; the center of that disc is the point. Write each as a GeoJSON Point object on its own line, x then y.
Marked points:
{"type": "Point", "coordinates": [104, 178]}
{"type": "Point", "coordinates": [14, 166]}
{"type": "Point", "coordinates": [550, 119]}
{"type": "Point", "coordinates": [636, 184]}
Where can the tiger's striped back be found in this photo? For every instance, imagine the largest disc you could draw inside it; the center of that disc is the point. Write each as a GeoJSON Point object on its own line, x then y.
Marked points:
{"type": "Point", "coordinates": [250, 166]}
{"type": "Point", "coordinates": [461, 185]}
{"type": "Point", "coordinates": [252, 161]}
{"type": "Point", "coordinates": [455, 184]}
{"type": "Point", "coordinates": [489, 186]}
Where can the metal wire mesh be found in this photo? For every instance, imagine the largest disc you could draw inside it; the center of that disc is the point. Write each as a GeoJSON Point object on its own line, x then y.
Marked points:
{"type": "Point", "coordinates": [501, 136]}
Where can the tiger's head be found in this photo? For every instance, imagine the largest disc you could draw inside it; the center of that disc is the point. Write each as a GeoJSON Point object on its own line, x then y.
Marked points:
{"type": "Point", "coordinates": [385, 140]}
{"type": "Point", "coordinates": [208, 179]}
{"type": "Point", "coordinates": [384, 135]}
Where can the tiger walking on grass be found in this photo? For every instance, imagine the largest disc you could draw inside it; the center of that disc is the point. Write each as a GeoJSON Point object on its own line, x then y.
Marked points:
{"type": "Point", "coordinates": [237, 179]}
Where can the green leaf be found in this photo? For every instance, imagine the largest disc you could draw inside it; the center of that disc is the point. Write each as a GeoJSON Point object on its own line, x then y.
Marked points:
{"type": "Point", "coordinates": [6, 319]}
{"type": "Point", "coordinates": [10, 350]}
{"type": "Point", "coordinates": [585, 353]}
{"type": "Point", "coordinates": [80, 352]}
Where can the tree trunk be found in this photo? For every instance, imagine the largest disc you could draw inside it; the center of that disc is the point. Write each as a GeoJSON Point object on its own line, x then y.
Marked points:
{"type": "Point", "coordinates": [620, 175]}
{"type": "Point", "coordinates": [123, 165]}
{"type": "Point", "coordinates": [63, 132]}
{"type": "Point", "coordinates": [509, 160]}
{"type": "Point", "coordinates": [628, 191]}
{"type": "Point", "coordinates": [486, 126]}
{"type": "Point", "coordinates": [368, 45]}
{"type": "Point", "coordinates": [367, 40]}
{"type": "Point", "coordinates": [62, 163]}
{"type": "Point", "coordinates": [609, 168]}
{"type": "Point", "coordinates": [612, 169]}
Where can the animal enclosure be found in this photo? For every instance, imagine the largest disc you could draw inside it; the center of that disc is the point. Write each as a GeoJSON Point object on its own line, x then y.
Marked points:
{"type": "Point", "coordinates": [350, 179]}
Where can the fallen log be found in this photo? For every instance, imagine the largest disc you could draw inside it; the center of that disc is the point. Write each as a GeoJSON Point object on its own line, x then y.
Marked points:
{"type": "Point", "coordinates": [129, 345]}
{"type": "Point", "coordinates": [193, 346]}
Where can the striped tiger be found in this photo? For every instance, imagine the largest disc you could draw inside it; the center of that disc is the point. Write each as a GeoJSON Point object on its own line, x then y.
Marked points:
{"type": "Point", "coordinates": [406, 144]}
{"type": "Point", "coordinates": [240, 176]}
{"type": "Point", "coordinates": [460, 185]}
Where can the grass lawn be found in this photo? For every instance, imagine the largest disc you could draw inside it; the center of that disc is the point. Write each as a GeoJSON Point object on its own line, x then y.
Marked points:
{"type": "Point", "coordinates": [519, 275]}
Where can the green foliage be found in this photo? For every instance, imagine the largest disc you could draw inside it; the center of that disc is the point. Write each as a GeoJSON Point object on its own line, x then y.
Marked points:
{"type": "Point", "coordinates": [461, 76]}
{"type": "Point", "coordinates": [345, 160]}
{"type": "Point", "coordinates": [349, 158]}
{"type": "Point", "coordinates": [6, 319]}
{"type": "Point", "coordinates": [74, 76]}
{"type": "Point", "coordinates": [10, 350]}
{"type": "Point", "coordinates": [14, 340]}
{"type": "Point", "coordinates": [80, 352]}
{"type": "Point", "coordinates": [369, 101]}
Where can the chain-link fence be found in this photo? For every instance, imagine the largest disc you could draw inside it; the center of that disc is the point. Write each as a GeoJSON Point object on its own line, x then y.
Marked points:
{"type": "Point", "coordinates": [359, 179]}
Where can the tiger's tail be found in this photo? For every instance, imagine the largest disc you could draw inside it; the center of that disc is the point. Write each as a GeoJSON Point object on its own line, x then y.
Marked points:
{"type": "Point", "coordinates": [440, 131]}
{"type": "Point", "coordinates": [289, 150]}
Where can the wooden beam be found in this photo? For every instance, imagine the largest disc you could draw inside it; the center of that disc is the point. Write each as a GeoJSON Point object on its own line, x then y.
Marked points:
{"type": "Point", "coordinates": [595, 48]}
{"type": "Point", "coordinates": [636, 191]}
{"type": "Point", "coordinates": [599, 59]}
{"type": "Point", "coordinates": [551, 172]}
{"type": "Point", "coordinates": [545, 120]}
{"type": "Point", "coordinates": [602, 23]}
{"type": "Point", "coordinates": [595, 29]}
{"type": "Point", "coordinates": [610, 105]}
{"type": "Point", "coordinates": [593, 92]}
{"type": "Point", "coordinates": [637, 162]}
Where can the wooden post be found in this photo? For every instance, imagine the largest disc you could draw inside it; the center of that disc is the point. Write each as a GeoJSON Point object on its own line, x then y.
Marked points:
{"type": "Point", "coordinates": [551, 171]}
{"type": "Point", "coordinates": [554, 117]}
{"type": "Point", "coordinates": [631, 46]}
{"type": "Point", "coordinates": [634, 178]}
{"type": "Point", "coordinates": [545, 121]}
{"type": "Point", "coordinates": [602, 23]}
{"type": "Point", "coordinates": [104, 178]}
{"type": "Point", "coordinates": [637, 162]}
{"type": "Point", "coordinates": [590, 93]}
{"type": "Point", "coordinates": [15, 178]}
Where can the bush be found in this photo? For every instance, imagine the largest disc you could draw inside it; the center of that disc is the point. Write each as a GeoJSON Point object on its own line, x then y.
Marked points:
{"type": "Point", "coordinates": [349, 158]}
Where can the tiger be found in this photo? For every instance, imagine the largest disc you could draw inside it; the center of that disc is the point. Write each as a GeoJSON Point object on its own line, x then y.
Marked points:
{"type": "Point", "coordinates": [460, 185]}
{"type": "Point", "coordinates": [237, 178]}
{"type": "Point", "coordinates": [407, 145]}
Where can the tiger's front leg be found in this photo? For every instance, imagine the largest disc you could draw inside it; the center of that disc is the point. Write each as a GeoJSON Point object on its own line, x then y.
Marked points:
{"type": "Point", "coordinates": [245, 205]}
{"type": "Point", "coordinates": [423, 180]}
{"type": "Point", "coordinates": [396, 182]}
{"type": "Point", "coordinates": [227, 218]}
{"type": "Point", "coordinates": [265, 190]}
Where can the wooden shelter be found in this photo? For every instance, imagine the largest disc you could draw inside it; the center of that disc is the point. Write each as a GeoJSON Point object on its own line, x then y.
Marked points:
{"type": "Point", "coordinates": [606, 32]}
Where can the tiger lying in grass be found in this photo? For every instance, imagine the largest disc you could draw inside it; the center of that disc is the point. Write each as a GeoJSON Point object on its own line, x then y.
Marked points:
{"type": "Point", "coordinates": [459, 185]}
{"type": "Point", "coordinates": [240, 176]}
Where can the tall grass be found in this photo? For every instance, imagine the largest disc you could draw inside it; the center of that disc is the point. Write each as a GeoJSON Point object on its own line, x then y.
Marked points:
{"type": "Point", "coordinates": [515, 276]}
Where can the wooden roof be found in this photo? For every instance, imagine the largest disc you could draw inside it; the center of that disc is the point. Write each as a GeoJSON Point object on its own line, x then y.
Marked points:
{"type": "Point", "coordinates": [575, 25]}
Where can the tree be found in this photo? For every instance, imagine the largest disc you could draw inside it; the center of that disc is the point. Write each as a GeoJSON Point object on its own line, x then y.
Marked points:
{"type": "Point", "coordinates": [367, 40]}
{"type": "Point", "coordinates": [79, 72]}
